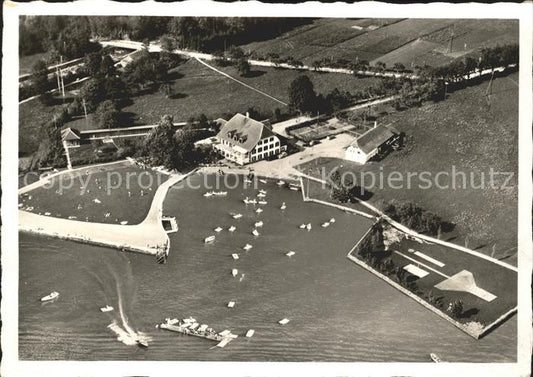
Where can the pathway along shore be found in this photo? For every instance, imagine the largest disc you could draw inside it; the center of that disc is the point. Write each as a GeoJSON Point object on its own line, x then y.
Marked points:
{"type": "Point", "coordinates": [148, 237]}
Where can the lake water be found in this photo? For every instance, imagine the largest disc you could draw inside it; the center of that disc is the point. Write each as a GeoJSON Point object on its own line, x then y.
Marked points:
{"type": "Point", "coordinates": [337, 311]}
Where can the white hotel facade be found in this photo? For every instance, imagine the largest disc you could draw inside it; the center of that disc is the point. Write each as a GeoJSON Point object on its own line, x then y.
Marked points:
{"type": "Point", "coordinates": [243, 140]}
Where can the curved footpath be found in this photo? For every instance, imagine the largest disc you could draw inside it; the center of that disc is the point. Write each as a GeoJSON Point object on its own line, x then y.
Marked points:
{"type": "Point", "coordinates": [148, 237]}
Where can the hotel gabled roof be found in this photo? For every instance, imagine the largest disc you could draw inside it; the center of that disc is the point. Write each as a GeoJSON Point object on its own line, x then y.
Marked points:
{"type": "Point", "coordinates": [244, 132]}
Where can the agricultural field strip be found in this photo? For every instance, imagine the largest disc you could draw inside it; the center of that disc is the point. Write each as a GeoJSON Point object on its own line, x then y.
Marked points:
{"type": "Point", "coordinates": [420, 263]}
{"type": "Point", "coordinates": [240, 82]}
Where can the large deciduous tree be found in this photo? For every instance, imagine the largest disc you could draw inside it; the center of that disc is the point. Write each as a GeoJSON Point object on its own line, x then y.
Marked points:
{"type": "Point", "coordinates": [302, 94]}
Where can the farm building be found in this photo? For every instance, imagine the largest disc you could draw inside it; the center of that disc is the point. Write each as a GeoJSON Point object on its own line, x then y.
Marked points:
{"type": "Point", "coordinates": [71, 137]}
{"type": "Point", "coordinates": [244, 140]}
{"type": "Point", "coordinates": [371, 143]}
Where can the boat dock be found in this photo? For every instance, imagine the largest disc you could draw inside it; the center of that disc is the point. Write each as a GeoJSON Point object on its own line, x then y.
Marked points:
{"type": "Point", "coordinates": [191, 327]}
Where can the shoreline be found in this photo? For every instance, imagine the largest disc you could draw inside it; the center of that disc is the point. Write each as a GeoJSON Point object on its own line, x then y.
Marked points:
{"type": "Point", "coordinates": [148, 237]}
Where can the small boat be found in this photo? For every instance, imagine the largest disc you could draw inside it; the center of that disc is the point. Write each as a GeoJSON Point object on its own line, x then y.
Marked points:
{"type": "Point", "coordinates": [435, 358]}
{"type": "Point", "coordinates": [280, 183]}
{"type": "Point", "coordinates": [220, 193]}
{"type": "Point", "coordinates": [325, 225]}
{"type": "Point", "coordinates": [290, 253]}
{"type": "Point", "coordinates": [308, 226]}
{"type": "Point", "coordinates": [258, 224]}
{"type": "Point", "coordinates": [332, 220]}
{"type": "Point", "coordinates": [50, 297]}
{"type": "Point", "coordinates": [255, 232]}
{"type": "Point", "coordinates": [283, 321]}
{"type": "Point", "coordinates": [261, 195]}
{"type": "Point", "coordinates": [247, 246]}
{"type": "Point", "coordinates": [218, 229]}
{"type": "Point", "coordinates": [235, 256]}
{"type": "Point", "coordinates": [237, 216]}
{"type": "Point", "coordinates": [47, 213]}
{"type": "Point", "coordinates": [259, 210]}
{"type": "Point", "coordinates": [250, 333]}
{"type": "Point", "coordinates": [246, 180]}
{"type": "Point", "coordinates": [263, 202]}
{"type": "Point", "coordinates": [294, 187]}
{"type": "Point", "coordinates": [283, 206]}
{"type": "Point", "coordinates": [123, 222]}
{"type": "Point", "coordinates": [302, 226]}
{"type": "Point", "coordinates": [232, 228]}
{"type": "Point", "coordinates": [142, 343]}
{"type": "Point", "coordinates": [250, 201]}
{"type": "Point", "coordinates": [263, 192]}
{"type": "Point", "coordinates": [223, 342]}
{"type": "Point", "coordinates": [208, 194]}
{"type": "Point", "coordinates": [106, 308]}
{"type": "Point", "coordinates": [231, 304]}
{"type": "Point", "coordinates": [209, 239]}
{"type": "Point", "coordinates": [234, 272]}
{"type": "Point", "coordinates": [263, 181]}
{"type": "Point", "coordinates": [97, 201]}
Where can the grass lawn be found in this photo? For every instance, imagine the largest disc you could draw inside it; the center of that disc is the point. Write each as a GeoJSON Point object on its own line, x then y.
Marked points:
{"type": "Point", "coordinates": [461, 132]}
{"type": "Point", "coordinates": [26, 62]}
{"type": "Point", "coordinates": [74, 194]}
{"type": "Point", "coordinates": [276, 82]}
{"type": "Point", "coordinates": [201, 90]}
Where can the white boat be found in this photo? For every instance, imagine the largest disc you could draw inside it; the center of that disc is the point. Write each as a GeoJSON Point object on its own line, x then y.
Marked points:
{"type": "Point", "coordinates": [247, 180]}
{"type": "Point", "coordinates": [263, 192]}
{"type": "Point", "coordinates": [283, 206]}
{"type": "Point", "coordinates": [250, 201]}
{"type": "Point", "coordinates": [283, 321]}
{"type": "Point", "coordinates": [263, 202]}
{"type": "Point", "coordinates": [247, 246]}
{"type": "Point", "coordinates": [255, 232]}
{"type": "Point", "coordinates": [325, 225]}
{"type": "Point", "coordinates": [223, 342]}
{"type": "Point", "coordinates": [142, 343]}
{"type": "Point", "coordinates": [234, 272]}
{"type": "Point", "coordinates": [259, 210]}
{"type": "Point", "coordinates": [50, 297]}
{"type": "Point", "coordinates": [237, 216]}
{"type": "Point", "coordinates": [123, 222]}
{"type": "Point", "coordinates": [235, 256]}
{"type": "Point", "coordinates": [218, 229]}
{"type": "Point", "coordinates": [308, 226]}
{"type": "Point", "coordinates": [302, 226]}
{"type": "Point", "coordinates": [209, 239]}
{"type": "Point", "coordinates": [106, 308]}
{"type": "Point", "coordinates": [435, 358]}
{"type": "Point", "coordinates": [208, 194]}
{"type": "Point", "coordinates": [290, 253]}
{"type": "Point", "coordinates": [261, 195]}
{"type": "Point", "coordinates": [263, 181]}
{"type": "Point", "coordinates": [258, 224]}
{"type": "Point", "coordinates": [231, 304]}
{"type": "Point", "coordinates": [250, 333]}
{"type": "Point", "coordinates": [294, 187]}
{"type": "Point", "coordinates": [332, 220]}
{"type": "Point", "coordinates": [232, 228]}
{"type": "Point", "coordinates": [280, 183]}
{"type": "Point", "coordinates": [97, 201]}
{"type": "Point", "coordinates": [220, 193]}
{"type": "Point", "coordinates": [194, 326]}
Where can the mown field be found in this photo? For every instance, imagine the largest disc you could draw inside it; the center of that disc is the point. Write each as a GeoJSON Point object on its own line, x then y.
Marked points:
{"type": "Point", "coordinates": [392, 41]}
{"type": "Point", "coordinates": [201, 90]}
{"type": "Point", "coordinates": [464, 134]}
